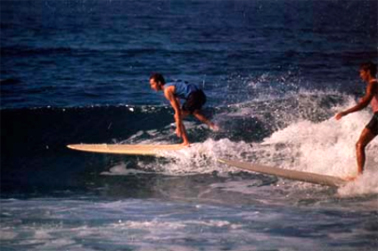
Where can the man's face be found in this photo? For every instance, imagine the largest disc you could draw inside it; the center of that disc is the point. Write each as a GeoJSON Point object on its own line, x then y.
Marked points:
{"type": "Point", "coordinates": [364, 75]}
{"type": "Point", "coordinates": [154, 85]}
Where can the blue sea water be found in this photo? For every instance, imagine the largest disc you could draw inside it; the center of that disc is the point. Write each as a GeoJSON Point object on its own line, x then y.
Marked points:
{"type": "Point", "coordinates": [274, 71]}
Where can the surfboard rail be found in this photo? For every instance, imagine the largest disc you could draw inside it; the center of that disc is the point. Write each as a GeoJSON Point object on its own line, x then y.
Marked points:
{"type": "Point", "coordinates": [320, 179]}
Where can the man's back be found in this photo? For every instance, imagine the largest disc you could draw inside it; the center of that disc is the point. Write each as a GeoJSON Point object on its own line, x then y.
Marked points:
{"type": "Point", "coordinates": [182, 89]}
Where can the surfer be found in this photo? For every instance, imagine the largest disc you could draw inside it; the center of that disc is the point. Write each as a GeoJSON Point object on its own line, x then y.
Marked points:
{"type": "Point", "coordinates": [194, 98]}
{"type": "Point", "coordinates": [368, 73]}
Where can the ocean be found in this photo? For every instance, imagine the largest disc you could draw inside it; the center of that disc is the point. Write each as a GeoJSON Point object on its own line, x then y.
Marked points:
{"type": "Point", "coordinates": [274, 71]}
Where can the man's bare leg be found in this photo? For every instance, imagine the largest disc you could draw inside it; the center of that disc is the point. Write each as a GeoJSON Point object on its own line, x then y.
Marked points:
{"type": "Point", "coordinates": [205, 120]}
{"type": "Point", "coordinates": [184, 136]}
{"type": "Point", "coordinates": [364, 140]}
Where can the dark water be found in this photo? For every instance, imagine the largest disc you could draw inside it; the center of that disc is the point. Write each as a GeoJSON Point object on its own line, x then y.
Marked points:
{"type": "Point", "coordinates": [274, 72]}
{"type": "Point", "coordinates": [79, 53]}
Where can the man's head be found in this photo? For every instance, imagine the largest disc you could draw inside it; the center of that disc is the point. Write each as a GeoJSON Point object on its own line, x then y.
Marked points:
{"type": "Point", "coordinates": [368, 70]}
{"type": "Point", "coordinates": [157, 81]}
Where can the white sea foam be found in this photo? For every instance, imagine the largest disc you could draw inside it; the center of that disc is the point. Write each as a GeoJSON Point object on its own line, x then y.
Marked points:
{"type": "Point", "coordinates": [199, 158]}
{"type": "Point", "coordinates": [120, 169]}
{"type": "Point", "coordinates": [159, 225]}
{"type": "Point", "coordinates": [328, 148]}
{"type": "Point", "coordinates": [365, 184]}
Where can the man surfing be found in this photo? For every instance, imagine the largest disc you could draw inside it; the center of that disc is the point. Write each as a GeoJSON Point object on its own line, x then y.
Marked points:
{"type": "Point", "coordinates": [368, 73]}
{"type": "Point", "coordinates": [194, 98]}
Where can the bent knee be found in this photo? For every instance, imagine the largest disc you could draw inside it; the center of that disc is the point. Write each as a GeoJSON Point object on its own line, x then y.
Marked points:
{"type": "Point", "coordinates": [360, 145]}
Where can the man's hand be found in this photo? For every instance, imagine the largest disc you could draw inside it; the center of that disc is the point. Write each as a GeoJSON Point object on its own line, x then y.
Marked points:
{"type": "Point", "coordinates": [339, 115]}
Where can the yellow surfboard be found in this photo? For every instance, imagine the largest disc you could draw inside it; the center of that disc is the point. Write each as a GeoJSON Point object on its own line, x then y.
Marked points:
{"type": "Point", "coordinates": [320, 179]}
{"type": "Point", "coordinates": [151, 150]}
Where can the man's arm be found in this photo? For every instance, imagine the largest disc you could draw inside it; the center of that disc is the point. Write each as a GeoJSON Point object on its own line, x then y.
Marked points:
{"type": "Point", "coordinates": [370, 90]}
{"type": "Point", "coordinates": [180, 129]}
{"type": "Point", "coordinates": [168, 93]}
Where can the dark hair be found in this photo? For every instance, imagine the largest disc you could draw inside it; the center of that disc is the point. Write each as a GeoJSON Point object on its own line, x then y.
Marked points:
{"type": "Point", "coordinates": [369, 66]}
{"type": "Point", "coordinates": [158, 78]}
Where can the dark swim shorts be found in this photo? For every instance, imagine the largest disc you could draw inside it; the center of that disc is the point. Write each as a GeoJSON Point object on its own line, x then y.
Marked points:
{"type": "Point", "coordinates": [373, 124]}
{"type": "Point", "coordinates": [194, 102]}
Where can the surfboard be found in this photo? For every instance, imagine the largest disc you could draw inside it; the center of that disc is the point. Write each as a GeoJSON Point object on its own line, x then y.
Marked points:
{"type": "Point", "coordinates": [151, 150]}
{"type": "Point", "coordinates": [288, 174]}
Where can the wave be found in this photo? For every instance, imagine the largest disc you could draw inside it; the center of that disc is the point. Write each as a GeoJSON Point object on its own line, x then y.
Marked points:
{"type": "Point", "coordinates": [293, 132]}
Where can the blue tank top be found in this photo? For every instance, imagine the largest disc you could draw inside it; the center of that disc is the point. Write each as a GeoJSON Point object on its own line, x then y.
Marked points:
{"type": "Point", "coordinates": [182, 89]}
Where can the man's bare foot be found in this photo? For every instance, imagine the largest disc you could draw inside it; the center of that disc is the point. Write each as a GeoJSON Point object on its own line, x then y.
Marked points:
{"type": "Point", "coordinates": [350, 178]}
{"type": "Point", "coordinates": [185, 144]}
